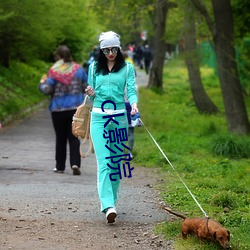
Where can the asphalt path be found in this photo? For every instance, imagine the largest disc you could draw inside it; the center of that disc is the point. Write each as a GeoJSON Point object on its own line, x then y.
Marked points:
{"type": "Point", "coordinates": [31, 190]}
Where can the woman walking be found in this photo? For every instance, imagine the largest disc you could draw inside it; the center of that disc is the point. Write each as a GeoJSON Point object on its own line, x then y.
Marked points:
{"type": "Point", "coordinates": [108, 78]}
{"type": "Point", "coordinates": [65, 84]}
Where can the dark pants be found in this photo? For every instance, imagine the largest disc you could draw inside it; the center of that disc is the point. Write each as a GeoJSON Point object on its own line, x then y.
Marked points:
{"type": "Point", "coordinates": [147, 65]}
{"type": "Point", "coordinates": [62, 122]}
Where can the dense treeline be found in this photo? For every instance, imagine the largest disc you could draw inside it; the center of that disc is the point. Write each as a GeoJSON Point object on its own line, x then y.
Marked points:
{"type": "Point", "coordinates": [29, 33]}
{"type": "Point", "coordinates": [32, 29]}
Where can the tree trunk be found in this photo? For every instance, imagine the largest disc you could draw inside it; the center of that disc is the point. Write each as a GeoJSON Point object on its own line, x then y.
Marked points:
{"type": "Point", "coordinates": [235, 109]}
{"type": "Point", "coordinates": [223, 38]}
{"type": "Point", "coordinates": [159, 47]}
{"type": "Point", "coordinates": [201, 99]}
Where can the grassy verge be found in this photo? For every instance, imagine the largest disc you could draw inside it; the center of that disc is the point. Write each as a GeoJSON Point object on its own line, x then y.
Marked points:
{"type": "Point", "coordinates": [212, 163]}
{"type": "Point", "coordinates": [19, 88]}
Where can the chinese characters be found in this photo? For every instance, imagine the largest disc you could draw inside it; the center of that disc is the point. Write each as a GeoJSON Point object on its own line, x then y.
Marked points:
{"type": "Point", "coordinates": [115, 144]}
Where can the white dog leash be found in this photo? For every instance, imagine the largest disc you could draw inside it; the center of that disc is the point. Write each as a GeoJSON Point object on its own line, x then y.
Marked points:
{"type": "Point", "coordinates": [174, 170]}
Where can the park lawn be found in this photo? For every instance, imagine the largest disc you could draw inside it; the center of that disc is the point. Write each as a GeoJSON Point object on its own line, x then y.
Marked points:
{"type": "Point", "coordinates": [219, 182]}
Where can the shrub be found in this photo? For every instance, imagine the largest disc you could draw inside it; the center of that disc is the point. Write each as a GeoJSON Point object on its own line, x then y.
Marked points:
{"type": "Point", "coordinates": [231, 146]}
{"type": "Point", "coordinates": [223, 200]}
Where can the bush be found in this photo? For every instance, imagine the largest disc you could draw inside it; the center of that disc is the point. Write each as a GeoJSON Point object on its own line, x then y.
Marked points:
{"type": "Point", "coordinates": [223, 200]}
{"type": "Point", "coordinates": [231, 146]}
{"type": "Point", "coordinates": [19, 88]}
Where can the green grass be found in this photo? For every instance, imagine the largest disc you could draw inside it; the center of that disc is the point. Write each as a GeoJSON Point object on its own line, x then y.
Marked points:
{"type": "Point", "coordinates": [214, 164]}
{"type": "Point", "coordinates": [19, 88]}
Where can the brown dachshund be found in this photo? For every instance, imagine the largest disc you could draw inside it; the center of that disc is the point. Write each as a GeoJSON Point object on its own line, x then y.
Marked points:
{"type": "Point", "coordinates": [204, 229]}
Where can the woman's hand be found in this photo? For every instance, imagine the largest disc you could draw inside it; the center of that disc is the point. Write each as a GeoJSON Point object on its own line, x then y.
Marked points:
{"type": "Point", "coordinates": [134, 109]}
{"type": "Point", "coordinates": [90, 91]}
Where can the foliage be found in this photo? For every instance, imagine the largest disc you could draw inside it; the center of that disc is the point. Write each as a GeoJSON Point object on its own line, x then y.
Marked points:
{"type": "Point", "coordinates": [27, 33]}
{"type": "Point", "coordinates": [241, 17]}
{"type": "Point", "coordinates": [242, 37]}
{"type": "Point", "coordinates": [175, 25]}
{"type": "Point", "coordinates": [127, 17]}
{"type": "Point", "coordinates": [219, 183]}
{"type": "Point", "coordinates": [19, 88]}
{"type": "Point", "coordinates": [243, 60]}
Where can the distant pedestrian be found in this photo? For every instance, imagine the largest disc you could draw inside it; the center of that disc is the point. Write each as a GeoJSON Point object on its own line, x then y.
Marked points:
{"type": "Point", "coordinates": [138, 55]}
{"type": "Point", "coordinates": [65, 84]}
{"type": "Point", "coordinates": [147, 54]}
{"type": "Point", "coordinates": [93, 55]}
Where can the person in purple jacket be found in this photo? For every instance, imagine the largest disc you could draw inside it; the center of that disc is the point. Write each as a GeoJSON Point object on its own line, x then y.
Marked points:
{"type": "Point", "coordinates": [65, 83]}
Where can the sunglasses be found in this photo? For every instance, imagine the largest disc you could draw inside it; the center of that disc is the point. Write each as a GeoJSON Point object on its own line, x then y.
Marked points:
{"type": "Point", "coordinates": [106, 51]}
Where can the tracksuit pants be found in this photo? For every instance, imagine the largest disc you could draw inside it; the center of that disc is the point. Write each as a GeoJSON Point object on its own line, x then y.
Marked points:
{"type": "Point", "coordinates": [107, 188]}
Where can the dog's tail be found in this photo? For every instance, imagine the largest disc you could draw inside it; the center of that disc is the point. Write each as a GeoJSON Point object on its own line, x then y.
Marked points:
{"type": "Point", "coordinates": [175, 213]}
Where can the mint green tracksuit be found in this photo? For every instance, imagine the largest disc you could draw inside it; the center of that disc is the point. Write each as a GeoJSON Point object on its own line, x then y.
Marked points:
{"type": "Point", "coordinates": [109, 87]}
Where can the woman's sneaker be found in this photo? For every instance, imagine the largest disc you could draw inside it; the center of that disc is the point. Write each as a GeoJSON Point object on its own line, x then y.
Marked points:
{"type": "Point", "coordinates": [76, 170]}
{"type": "Point", "coordinates": [111, 214]}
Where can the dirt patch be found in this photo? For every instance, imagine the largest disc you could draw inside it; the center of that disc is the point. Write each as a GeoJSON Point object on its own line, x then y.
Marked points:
{"type": "Point", "coordinates": [50, 234]}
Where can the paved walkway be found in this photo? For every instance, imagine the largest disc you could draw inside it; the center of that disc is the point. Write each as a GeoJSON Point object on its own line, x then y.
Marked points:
{"type": "Point", "coordinates": [29, 189]}
{"type": "Point", "coordinates": [26, 163]}
{"type": "Point", "coordinates": [27, 158]}
{"type": "Point", "coordinates": [141, 78]}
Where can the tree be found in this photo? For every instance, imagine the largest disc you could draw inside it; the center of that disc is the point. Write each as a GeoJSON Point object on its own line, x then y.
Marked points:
{"type": "Point", "coordinates": [126, 17]}
{"type": "Point", "coordinates": [242, 33]}
{"type": "Point", "coordinates": [223, 38]}
{"type": "Point", "coordinates": [201, 99]}
{"type": "Point", "coordinates": [28, 33]}
{"type": "Point", "coordinates": [159, 46]}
